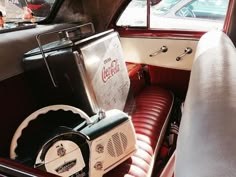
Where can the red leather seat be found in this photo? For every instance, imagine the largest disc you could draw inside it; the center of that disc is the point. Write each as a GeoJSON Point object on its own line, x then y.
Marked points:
{"type": "Point", "coordinates": [153, 105]}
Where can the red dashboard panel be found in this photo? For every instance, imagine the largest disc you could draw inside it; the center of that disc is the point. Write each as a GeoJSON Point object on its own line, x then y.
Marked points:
{"type": "Point", "coordinates": [15, 169]}
{"type": "Point", "coordinates": [137, 79]}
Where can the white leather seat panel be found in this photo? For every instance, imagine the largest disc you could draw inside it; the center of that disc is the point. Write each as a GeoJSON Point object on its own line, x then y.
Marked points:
{"type": "Point", "coordinates": [207, 139]}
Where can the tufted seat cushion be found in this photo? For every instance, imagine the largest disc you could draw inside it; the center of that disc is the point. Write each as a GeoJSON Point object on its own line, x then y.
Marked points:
{"type": "Point", "coordinates": [153, 105]}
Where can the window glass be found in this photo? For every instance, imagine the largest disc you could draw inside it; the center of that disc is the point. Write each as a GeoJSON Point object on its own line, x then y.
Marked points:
{"type": "Point", "coordinates": [197, 15]}
{"type": "Point", "coordinates": [135, 15]}
{"type": "Point", "coordinates": [211, 9]}
{"type": "Point", "coordinates": [163, 7]}
{"type": "Point", "coordinates": [15, 11]}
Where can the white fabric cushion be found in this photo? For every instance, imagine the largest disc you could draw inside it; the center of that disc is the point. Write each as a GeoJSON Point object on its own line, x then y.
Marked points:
{"type": "Point", "coordinates": [206, 143]}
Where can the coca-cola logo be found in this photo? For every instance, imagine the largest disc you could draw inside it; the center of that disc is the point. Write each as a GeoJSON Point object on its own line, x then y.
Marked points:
{"type": "Point", "coordinates": [110, 68]}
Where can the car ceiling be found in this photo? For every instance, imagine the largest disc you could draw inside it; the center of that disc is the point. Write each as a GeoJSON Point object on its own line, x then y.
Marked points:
{"type": "Point", "coordinates": [96, 11]}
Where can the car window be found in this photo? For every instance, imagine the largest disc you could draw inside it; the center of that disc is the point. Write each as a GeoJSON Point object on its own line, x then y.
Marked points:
{"type": "Point", "coordinates": [163, 7]}
{"type": "Point", "coordinates": [19, 11]}
{"type": "Point", "coordinates": [194, 15]}
{"type": "Point", "coordinates": [135, 15]}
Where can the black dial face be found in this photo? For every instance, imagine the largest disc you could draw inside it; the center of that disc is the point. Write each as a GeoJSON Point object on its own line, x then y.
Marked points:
{"type": "Point", "coordinates": [66, 154]}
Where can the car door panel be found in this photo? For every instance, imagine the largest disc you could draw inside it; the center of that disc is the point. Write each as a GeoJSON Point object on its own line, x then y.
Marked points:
{"type": "Point", "coordinates": [163, 68]}
{"type": "Point", "coordinates": [138, 50]}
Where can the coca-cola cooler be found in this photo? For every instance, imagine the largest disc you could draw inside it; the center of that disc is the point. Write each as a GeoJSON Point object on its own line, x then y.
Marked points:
{"type": "Point", "coordinates": [81, 69]}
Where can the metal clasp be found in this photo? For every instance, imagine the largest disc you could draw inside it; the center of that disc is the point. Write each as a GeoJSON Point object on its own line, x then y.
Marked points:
{"type": "Point", "coordinates": [188, 50]}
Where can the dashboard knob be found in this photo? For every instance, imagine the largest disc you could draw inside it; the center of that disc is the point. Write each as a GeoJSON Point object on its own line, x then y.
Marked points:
{"type": "Point", "coordinates": [98, 165]}
{"type": "Point", "coordinates": [100, 148]}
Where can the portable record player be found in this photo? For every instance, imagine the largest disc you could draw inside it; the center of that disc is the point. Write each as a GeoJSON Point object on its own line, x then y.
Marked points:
{"type": "Point", "coordinates": [87, 73]}
{"type": "Point", "coordinates": [91, 148]}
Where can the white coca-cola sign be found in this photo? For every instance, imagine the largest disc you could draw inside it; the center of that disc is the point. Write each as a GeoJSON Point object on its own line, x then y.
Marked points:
{"type": "Point", "coordinates": [106, 71]}
{"type": "Point", "coordinates": [110, 68]}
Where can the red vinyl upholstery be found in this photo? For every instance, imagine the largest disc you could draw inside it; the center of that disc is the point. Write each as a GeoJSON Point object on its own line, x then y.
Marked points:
{"type": "Point", "coordinates": [174, 79]}
{"type": "Point", "coordinates": [153, 105]}
{"type": "Point", "coordinates": [137, 80]}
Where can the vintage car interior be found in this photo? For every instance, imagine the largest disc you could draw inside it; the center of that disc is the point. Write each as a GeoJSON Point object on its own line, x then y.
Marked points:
{"type": "Point", "coordinates": [125, 88]}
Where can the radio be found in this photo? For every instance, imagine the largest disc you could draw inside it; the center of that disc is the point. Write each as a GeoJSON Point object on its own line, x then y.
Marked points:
{"type": "Point", "coordinates": [91, 148]}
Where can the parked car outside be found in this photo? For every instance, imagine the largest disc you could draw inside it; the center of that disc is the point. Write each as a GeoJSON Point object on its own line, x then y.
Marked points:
{"type": "Point", "coordinates": [209, 9]}
{"type": "Point", "coordinates": [40, 8]}
{"type": "Point", "coordinates": [178, 14]}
